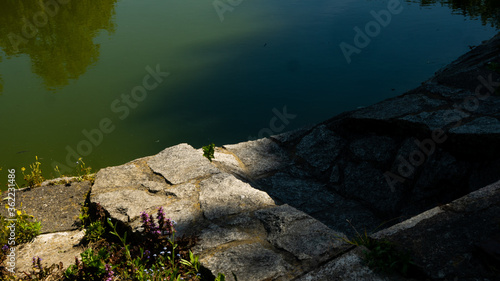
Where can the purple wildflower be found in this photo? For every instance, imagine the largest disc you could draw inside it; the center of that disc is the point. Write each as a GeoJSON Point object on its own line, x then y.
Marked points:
{"type": "Point", "coordinates": [149, 224]}
{"type": "Point", "coordinates": [109, 273]}
{"type": "Point", "coordinates": [5, 248]}
{"type": "Point", "coordinates": [166, 225]}
{"type": "Point", "coordinates": [37, 262]}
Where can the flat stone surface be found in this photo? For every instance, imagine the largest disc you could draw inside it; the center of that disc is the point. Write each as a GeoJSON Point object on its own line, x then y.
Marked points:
{"type": "Point", "coordinates": [57, 207]}
{"type": "Point", "coordinates": [306, 194]}
{"type": "Point", "coordinates": [439, 119]}
{"type": "Point", "coordinates": [291, 136]}
{"type": "Point", "coordinates": [181, 163]}
{"type": "Point", "coordinates": [442, 177]}
{"type": "Point", "coordinates": [316, 199]}
{"type": "Point", "coordinates": [215, 236]}
{"type": "Point", "coordinates": [298, 233]}
{"type": "Point", "coordinates": [154, 186]}
{"type": "Point", "coordinates": [396, 107]}
{"type": "Point", "coordinates": [375, 148]}
{"type": "Point", "coordinates": [182, 191]}
{"type": "Point", "coordinates": [249, 262]}
{"type": "Point", "coordinates": [223, 194]}
{"type": "Point", "coordinates": [228, 162]}
{"type": "Point", "coordinates": [348, 267]}
{"type": "Point", "coordinates": [52, 248]}
{"type": "Point", "coordinates": [479, 126]}
{"type": "Point", "coordinates": [260, 156]}
{"type": "Point", "coordinates": [369, 184]}
{"type": "Point", "coordinates": [320, 148]}
{"type": "Point", "coordinates": [132, 174]}
{"type": "Point", "coordinates": [126, 205]}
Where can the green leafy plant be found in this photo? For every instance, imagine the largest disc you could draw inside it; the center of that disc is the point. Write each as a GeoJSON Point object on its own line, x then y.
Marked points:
{"type": "Point", "coordinates": [123, 240]}
{"type": "Point", "coordinates": [35, 177]}
{"type": "Point", "coordinates": [193, 264]}
{"type": "Point", "coordinates": [208, 151]}
{"type": "Point", "coordinates": [94, 231]}
{"type": "Point", "coordinates": [222, 277]}
{"type": "Point", "coordinates": [26, 227]}
{"type": "Point", "coordinates": [91, 267]}
{"type": "Point", "coordinates": [94, 226]}
{"type": "Point", "coordinates": [84, 173]}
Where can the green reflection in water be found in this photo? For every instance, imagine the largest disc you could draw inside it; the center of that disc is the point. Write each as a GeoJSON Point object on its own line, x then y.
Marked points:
{"type": "Point", "coordinates": [486, 10]}
{"type": "Point", "coordinates": [57, 35]}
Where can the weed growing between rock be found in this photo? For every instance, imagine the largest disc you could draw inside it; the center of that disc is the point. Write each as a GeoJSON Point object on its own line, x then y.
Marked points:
{"type": "Point", "coordinates": [382, 256]}
{"type": "Point", "coordinates": [208, 151]}
{"type": "Point", "coordinates": [34, 178]}
{"type": "Point", "coordinates": [84, 173]}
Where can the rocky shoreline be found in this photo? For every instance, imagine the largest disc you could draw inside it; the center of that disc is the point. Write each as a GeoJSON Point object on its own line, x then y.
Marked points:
{"type": "Point", "coordinates": [422, 164]}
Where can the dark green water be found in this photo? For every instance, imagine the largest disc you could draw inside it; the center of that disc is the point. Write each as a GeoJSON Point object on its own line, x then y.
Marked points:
{"type": "Point", "coordinates": [76, 76]}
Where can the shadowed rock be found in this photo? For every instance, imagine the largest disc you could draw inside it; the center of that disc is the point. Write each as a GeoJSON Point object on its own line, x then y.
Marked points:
{"type": "Point", "coordinates": [223, 194]}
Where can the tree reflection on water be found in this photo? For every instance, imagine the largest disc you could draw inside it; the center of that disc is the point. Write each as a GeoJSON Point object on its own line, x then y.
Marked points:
{"type": "Point", "coordinates": [486, 10]}
{"type": "Point", "coordinates": [57, 37]}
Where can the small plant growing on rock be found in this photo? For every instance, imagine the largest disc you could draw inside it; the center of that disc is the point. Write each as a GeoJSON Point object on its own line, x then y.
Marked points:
{"type": "Point", "coordinates": [35, 177]}
{"type": "Point", "coordinates": [208, 151]}
{"type": "Point", "coordinates": [91, 267]}
{"type": "Point", "coordinates": [94, 231]}
{"type": "Point", "coordinates": [84, 173]}
{"type": "Point", "coordinates": [383, 256]}
{"type": "Point", "coordinates": [26, 227]}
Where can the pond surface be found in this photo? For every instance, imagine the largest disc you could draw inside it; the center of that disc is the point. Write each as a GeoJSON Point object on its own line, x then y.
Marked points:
{"type": "Point", "coordinates": [111, 81]}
